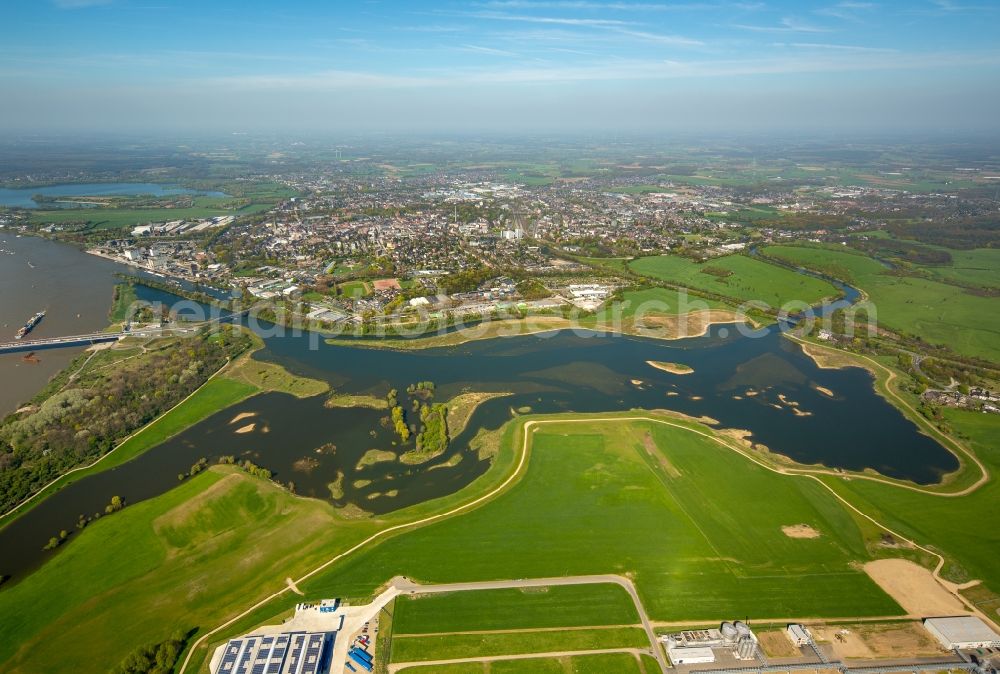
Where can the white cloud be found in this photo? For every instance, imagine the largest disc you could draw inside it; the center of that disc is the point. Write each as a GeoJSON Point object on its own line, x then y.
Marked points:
{"type": "Point", "coordinates": [787, 25]}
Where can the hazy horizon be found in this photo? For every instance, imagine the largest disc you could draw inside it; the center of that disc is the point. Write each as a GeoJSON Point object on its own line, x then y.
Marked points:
{"type": "Point", "coordinates": [502, 66]}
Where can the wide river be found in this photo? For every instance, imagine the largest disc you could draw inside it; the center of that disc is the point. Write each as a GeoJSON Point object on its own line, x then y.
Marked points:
{"type": "Point", "coordinates": [73, 288]}
{"type": "Point", "coordinates": [763, 384]}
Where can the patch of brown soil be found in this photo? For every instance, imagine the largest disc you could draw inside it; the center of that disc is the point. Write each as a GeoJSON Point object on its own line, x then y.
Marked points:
{"type": "Point", "coordinates": [874, 640]}
{"type": "Point", "coordinates": [654, 451]}
{"type": "Point", "coordinates": [913, 587]}
{"type": "Point", "coordinates": [799, 531]}
{"type": "Point", "coordinates": [776, 644]}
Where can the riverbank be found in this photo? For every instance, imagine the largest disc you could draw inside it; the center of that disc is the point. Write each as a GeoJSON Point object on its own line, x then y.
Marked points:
{"type": "Point", "coordinates": [670, 328]}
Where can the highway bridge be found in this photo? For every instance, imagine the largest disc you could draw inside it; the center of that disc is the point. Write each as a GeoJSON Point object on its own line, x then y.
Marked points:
{"type": "Point", "coordinates": [81, 340]}
{"type": "Point", "coordinates": [100, 337]}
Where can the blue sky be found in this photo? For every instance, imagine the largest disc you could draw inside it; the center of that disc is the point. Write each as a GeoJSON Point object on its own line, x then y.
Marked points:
{"type": "Point", "coordinates": [503, 65]}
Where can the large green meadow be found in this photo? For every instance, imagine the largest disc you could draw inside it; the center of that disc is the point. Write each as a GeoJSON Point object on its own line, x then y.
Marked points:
{"type": "Point", "coordinates": [937, 312]}
{"type": "Point", "coordinates": [738, 277]}
{"type": "Point", "coordinates": [698, 528]}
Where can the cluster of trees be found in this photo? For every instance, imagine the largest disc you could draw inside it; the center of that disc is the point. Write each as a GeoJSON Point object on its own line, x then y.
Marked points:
{"type": "Point", "coordinates": [86, 418]}
{"type": "Point", "coordinates": [466, 281]}
{"type": "Point", "coordinates": [532, 289]}
{"type": "Point", "coordinates": [249, 467]}
{"type": "Point", "coordinates": [398, 417]}
{"type": "Point", "coordinates": [425, 388]}
{"type": "Point", "coordinates": [716, 271]}
{"type": "Point", "coordinates": [114, 505]}
{"type": "Point", "coordinates": [198, 466]}
{"type": "Point", "coordinates": [977, 231]}
{"type": "Point", "coordinates": [433, 436]}
{"type": "Point", "coordinates": [55, 542]}
{"type": "Point", "coordinates": [903, 250]}
{"type": "Point", "coordinates": [155, 658]}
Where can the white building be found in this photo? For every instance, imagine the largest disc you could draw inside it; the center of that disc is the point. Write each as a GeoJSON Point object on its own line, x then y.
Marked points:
{"type": "Point", "coordinates": [962, 632]}
{"type": "Point", "coordinates": [690, 655]}
{"type": "Point", "coordinates": [798, 635]}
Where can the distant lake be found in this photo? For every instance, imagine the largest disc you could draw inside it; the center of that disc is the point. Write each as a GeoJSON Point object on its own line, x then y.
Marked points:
{"type": "Point", "coordinates": [22, 197]}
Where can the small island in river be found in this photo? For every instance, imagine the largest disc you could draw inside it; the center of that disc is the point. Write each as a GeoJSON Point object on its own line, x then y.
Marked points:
{"type": "Point", "coordinates": [672, 368]}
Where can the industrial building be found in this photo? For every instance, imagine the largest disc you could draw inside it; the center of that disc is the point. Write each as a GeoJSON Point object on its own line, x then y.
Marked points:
{"type": "Point", "coordinates": [286, 653]}
{"type": "Point", "coordinates": [735, 637]}
{"type": "Point", "coordinates": [962, 632]}
{"type": "Point", "coordinates": [690, 655]}
{"type": "Point", "coordinates": [798, 635]}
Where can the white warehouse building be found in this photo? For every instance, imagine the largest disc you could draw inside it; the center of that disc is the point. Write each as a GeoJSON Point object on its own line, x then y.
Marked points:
{"type": "Point", "coordinates": [690, 655]}
{"type": "Point", "coordinates": [962, 632]}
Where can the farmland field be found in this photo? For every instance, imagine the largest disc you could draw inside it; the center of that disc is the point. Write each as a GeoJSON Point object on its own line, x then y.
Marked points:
{"type": "Point", "coordinates": [454, 646]}
{"type": "Point", "coordinates": [601, 663]}
{"type": "Point", "coordinates": [937, 312]}
{"type": "Point", "coordinates": [736, 276]}
{"type": "Point", "coordinates": [559, 606]}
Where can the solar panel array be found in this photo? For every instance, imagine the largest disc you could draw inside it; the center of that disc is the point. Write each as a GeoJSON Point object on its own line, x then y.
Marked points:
{"type": "Point", "coordinates": [287, 653]}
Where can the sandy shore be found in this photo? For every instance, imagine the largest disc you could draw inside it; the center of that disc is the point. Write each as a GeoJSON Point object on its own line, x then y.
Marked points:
{"type": "Point", "coordinates": [672, 368]}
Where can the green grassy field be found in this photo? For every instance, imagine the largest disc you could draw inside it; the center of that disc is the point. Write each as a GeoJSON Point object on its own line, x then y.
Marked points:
{"type": "Point", "coordinates": [747, 279]}
{"type": "Point", "coordinates": [937, 312]}
{"type": "Point", "coordinates": [560, 606]}
{"type": "Point", "coordinates": [454, 646]}
{"type": "Point", "coordinates": [692, 552]}
{"type": "Point", "coordinates": [980, 266]}
{"type": "Point", "coordinates": [355, 288]}
{"type": "Point", "coordinates": [601, 663]}
{"type": "Point", "coordinates": [663, 301]}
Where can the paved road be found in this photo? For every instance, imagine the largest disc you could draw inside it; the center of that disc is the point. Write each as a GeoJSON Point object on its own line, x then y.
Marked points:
{"type": "Point", "coordinates": [357, 616]}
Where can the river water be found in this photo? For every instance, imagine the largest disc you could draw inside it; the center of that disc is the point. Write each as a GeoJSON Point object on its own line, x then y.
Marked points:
{"type": "Point", "coordinates": [74, 289]}
{"type": "Point", "coordinates": [22, 197]}
{"type": "Point", "coordinates": [764, 384]}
